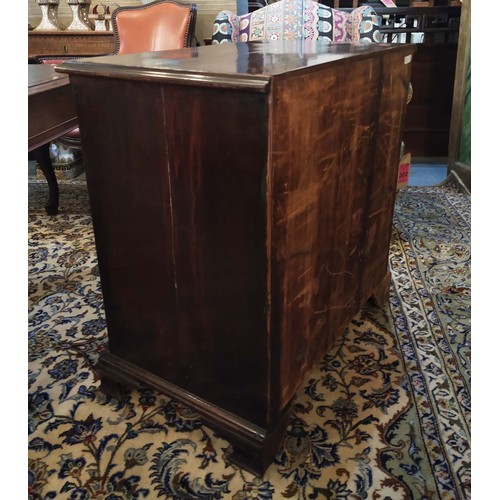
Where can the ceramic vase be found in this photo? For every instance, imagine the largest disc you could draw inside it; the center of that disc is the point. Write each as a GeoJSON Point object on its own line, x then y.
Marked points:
{"type": "Point", "coordinates": [101, 15]}
{"type": "Point", "coordinates": [49, 21]}
{"type": "Point", "coordinates": [80, 12]}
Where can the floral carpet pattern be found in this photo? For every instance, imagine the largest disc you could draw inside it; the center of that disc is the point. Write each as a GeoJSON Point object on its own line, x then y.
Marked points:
{"type": "Point", "coordinates": [385, 415]}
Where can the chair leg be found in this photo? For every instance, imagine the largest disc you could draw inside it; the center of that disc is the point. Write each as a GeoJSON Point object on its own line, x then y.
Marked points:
{"type": "Point", "coordinates": [42, 156]}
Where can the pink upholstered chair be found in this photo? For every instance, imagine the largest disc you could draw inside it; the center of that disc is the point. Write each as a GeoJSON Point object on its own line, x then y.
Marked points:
{"type": "Point", "coordinates": [159, 25]}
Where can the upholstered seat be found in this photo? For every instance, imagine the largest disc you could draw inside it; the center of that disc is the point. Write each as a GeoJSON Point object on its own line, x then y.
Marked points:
{"type": "Point", "coordinates": [289, 19]}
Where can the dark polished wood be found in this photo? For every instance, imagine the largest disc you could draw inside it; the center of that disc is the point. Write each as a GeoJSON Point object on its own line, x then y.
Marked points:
{"type": "Point", "coordinates": [436, 28]}
{"type": "Point", "coordinates": [439, 23]}
{"type": "Point", "coordinates": [428, 116]}
{"type": "Point", "coordinates": [242, 199]}
{"type": "Point", "coordinates": [69, 43]}
{"type": "Point", "coordinates": [51, 113]}
{"type": "Point", "coordinates": [463, 170]}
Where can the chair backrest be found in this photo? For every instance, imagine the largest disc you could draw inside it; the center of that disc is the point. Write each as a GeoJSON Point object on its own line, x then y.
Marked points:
{"type": "Point", "coordinates": [306, 19]}
{"type": "Point", "coordinates": [159, 25]}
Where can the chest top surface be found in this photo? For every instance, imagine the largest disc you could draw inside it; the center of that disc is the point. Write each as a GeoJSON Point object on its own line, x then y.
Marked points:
{"type": "Point", "coordinates": [251, 64]}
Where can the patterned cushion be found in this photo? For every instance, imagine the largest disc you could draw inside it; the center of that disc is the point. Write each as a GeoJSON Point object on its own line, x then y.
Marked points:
{"type": "Point", "coordinates": [226, 28]}
{"type": "Point", "coordinates": [290, 19]}
{"type": "Point", "coordinates": [365, 25]}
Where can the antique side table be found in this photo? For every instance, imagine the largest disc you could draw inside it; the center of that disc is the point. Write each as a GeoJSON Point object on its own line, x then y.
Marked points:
{"type": "Point", "coordinates": [51, 113]}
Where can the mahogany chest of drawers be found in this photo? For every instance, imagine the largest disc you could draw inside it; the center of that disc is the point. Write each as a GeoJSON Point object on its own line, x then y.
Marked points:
{"type": "Point", "coordinates": [242, 199]}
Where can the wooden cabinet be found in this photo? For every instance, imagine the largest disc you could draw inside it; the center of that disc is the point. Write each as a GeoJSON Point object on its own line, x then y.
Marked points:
{"type": "Point", "coordinates": [434, 29]}
{"type": "Point", "coordinates": [69, 43]}
{"type": "Point", "coordinates": [459, 159]}
{"type": "Point", "coordinates": [242, 199]}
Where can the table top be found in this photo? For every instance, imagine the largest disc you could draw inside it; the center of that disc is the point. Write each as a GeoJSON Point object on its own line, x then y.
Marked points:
{"type": "Point", "coordinates": [51, 108]}
{"type": "Point", "coordinates": [249, 65]}
{"type": "Point", "coordinates": [43, 77]}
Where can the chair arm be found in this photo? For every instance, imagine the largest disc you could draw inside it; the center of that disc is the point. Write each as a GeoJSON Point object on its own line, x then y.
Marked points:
{"type": "Point", "coordinates": [226, 28]}
{"type": "Point", "coordinates": [365, 25]}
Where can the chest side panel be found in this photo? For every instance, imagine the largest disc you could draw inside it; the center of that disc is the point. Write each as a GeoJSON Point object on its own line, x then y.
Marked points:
{"type": "Point", "coordinates": [395, 79]}
{"type": "Point", "coordinates": [175, 177]}
{"type": "Point", "coordinates": [323, 129]}
{"type": "Point", "coordinates": [217, 150]}
{"type": "Point", "coordinates": [125, 159]}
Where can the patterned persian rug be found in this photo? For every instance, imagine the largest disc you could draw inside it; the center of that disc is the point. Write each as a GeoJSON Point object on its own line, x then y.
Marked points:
{"type": "Point", "coordinates": [385, 415]}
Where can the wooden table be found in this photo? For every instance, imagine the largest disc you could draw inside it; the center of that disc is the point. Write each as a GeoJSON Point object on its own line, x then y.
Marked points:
{"type": "Point", "coordinates": [51, 113]}
{"type": "Point", "coordinates": [242, 216]}
{"type": "Point", "coordinates": [69, 43]}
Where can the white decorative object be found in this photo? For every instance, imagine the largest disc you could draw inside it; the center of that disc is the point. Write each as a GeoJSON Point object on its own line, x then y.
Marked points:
{"type": "Point", "coordinates": [101, 16]}
{"type": "Point", "coordinates": [101, 24]}
{"type": "Point", "coordinates": [80, 13]}
{"type": "Point", "coordinates": [101, 20]}
{"type": "Point", "coordinates": [49, 21]}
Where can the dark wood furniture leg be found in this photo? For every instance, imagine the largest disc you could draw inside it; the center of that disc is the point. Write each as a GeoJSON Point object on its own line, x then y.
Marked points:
{"type": "Point", "coordinates": [380, 295]}
{"type": "Point", "coordinates": [42, 156]}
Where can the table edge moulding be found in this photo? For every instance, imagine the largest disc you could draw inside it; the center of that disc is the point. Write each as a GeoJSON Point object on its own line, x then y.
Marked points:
{"type": "Point", "coordinates": [242, 204]}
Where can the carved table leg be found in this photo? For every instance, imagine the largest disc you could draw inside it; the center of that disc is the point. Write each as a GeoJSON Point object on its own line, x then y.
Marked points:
{"type": "Point", "coordinates": [42, 156]}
